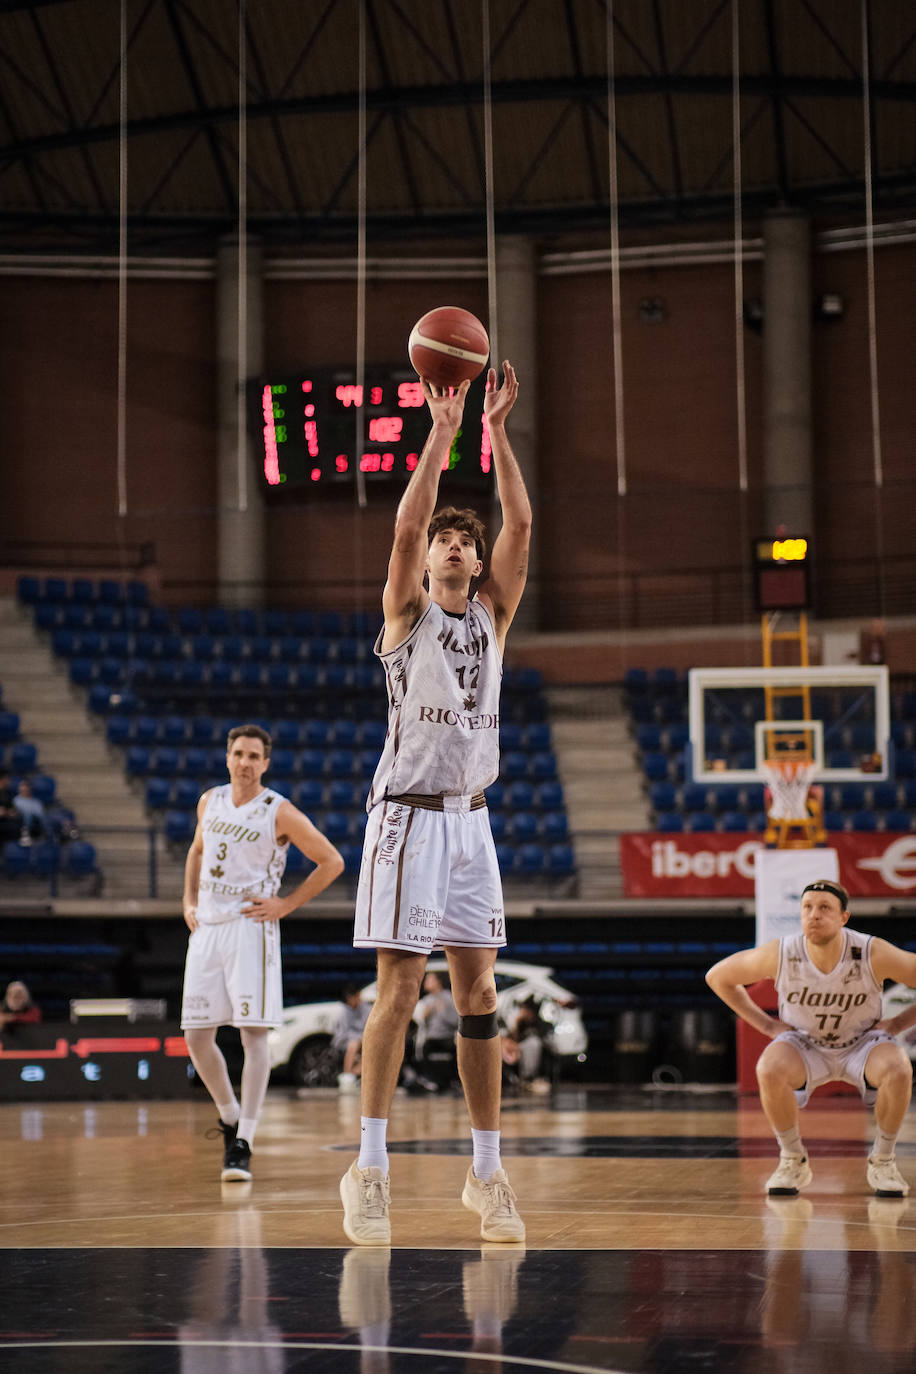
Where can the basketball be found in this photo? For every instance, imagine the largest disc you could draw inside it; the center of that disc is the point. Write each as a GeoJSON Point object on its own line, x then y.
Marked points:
{"type": "Point", "coordinates": [448, 345]}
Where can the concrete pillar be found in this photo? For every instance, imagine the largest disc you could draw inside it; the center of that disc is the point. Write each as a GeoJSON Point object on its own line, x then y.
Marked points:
{"type": "Point", "coordinates": [787, 311]}
{"type": "Point", "coordinates": [516, 293]}
{"type": "Point", "coordinates": [241, 566]}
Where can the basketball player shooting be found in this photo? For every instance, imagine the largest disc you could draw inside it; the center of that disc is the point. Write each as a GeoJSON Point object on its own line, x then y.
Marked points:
{"type": "Point", "coordinates": [829, 981]}
{"type": "Point", "coordinates": [429, 876]}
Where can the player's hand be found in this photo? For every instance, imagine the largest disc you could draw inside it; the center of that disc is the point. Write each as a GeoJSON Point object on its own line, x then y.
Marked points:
{"type": "Point", "coordinates": [446, 404]}
{"type": "Point", "coordinates": [190, 917]}
{"type": "Point", "coordinates": [499, 400]}
{"type": "Point", "coordinates": [263, 909]}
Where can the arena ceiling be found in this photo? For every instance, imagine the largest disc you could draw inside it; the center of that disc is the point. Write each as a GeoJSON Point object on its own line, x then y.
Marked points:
{"type": "Point", "coordinates": [802, 116]}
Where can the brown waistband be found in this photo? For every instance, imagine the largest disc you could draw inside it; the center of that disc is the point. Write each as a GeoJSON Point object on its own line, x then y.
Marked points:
{"type": "Point", "coordinates": [434, 803]}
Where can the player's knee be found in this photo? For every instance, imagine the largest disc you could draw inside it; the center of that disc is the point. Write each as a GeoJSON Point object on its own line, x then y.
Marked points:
{"type": "Point", "coordinates": [484, 1027]}
{"type": "Point", "coordinates": [199, 1038]}
{"type": "Point", "coordinates": [481, 998]}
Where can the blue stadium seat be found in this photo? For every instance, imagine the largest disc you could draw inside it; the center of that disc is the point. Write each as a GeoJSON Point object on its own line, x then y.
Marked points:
{"type": "Point", "coordinates": [734, 822]}
{"type": "Point", "coordinates": [655, 766]}
{"type": "Point", "coordinates": [524, 826]}
{"type": "Point", "coordinates": [649, 737]}
{"type": "Point", "coordinates": [340, 763]}
{"type": "Point", "coordinates": [55, 589]}
{"type": "Point", "coordinates": [275, 623]}
{"type": "Point", "coordinates": [701, 821]}
{"type": "Point", "coordinates": [16, 859]}
{"type": "Point", "coordinates": [852, 796]}
{"type": "Point", "coordinates": [495, 794]}
{"type": "Point", "coordinates": [531, 859]}
{"type": "Point", "coordinates": [694, 796]}
{"type": "Point", "coordinates": [898, 820]}
{"type": "Point", "coordinates": [311, 763]}
{"type": "Point", "coordinates": [165, 763]}
{"type": "Point", "coordinates": [158, 792]}
{"type": "Point", "coordinates": [179, 827]}
{"type": "Point", "coordinates": [99, 700]}
{"type": "Point", "coordinates": [44, 788]}
{"type": "Point", "coordinates": [203, 646]}
{"type": "Point", "coordinates": [884, 796]}
{"type": "Point", "coordinates": [81, 858]}
{"type": "Point", "coordinates": [498, 826]}
{"type": "Point", "coordinates": [144, 730]}
{"type": "Point", "coordinates": [340, 795]}
{"type": "Point", "coordinates": [514, 764]}
{"type": "Point", "coordinates": [505, 857]}
{"type": "Point", "coordinates": [28, 590]}
{"type": "Point", "coordinates": [232, 649]}
{"type": "Point", "coordinates": [9, 726]}
{"type": "Point", "coordinates": [548, 796]}
{"type": "Point", "coordinates": [510, 735]}
{"type": "Point", "coordinates": [371, 734]}
{"type": "Point", "coordinates": [555, 826]}
{"type": "Point", "coordinates": [348, 649]}
{"type": "Point", "coordinates": [906, 763]}
{"type": "Point", "coordinates": [196, 761]}
{"type": "Point", "coordinates": [296, 861]}
{"type": "Point", "coordinates": [49, 617]}
{"type": "Point", "coordinates": [308, 795]}
{"type": "Point", "coordinates": [834, 820]}
{"type": "Point", "coordinates": [278, 676]}
{"type": "Point", "coordinates": [186, 793]}
{"type": "Point", "coordinates": [137, 593]}
{"type": "Point", "coordinates": [543, 766]}
{"type": "Point", "coordinates": [117, 730]}
{"type": "Point", "coordinates": [217, 620]}
{"type": "Point", "coordinates": [23, 757]}
{"type": "Point", "coordinates": [250, 674]}
{"type": "Point", "coordinates": [203, 729]}
{"type": "Point", "coordinates": [636, 681]}
{"type": "Point", "coordinates": [117, 644]}
{"type": "Point", "coordinates": [561, 860]}
{"type": "Point", "coordinates": [190, 620]}
{"type": "Point", "coordinates": [519, 796]}
{"type": "Point", "coordinates": [725, 798]}
{"type": "Point", "coordinates": [337, 677]}
{"type": "Point", "coordinates": [216, 762]}
{"type": "Point", "coordinates": [662, 796]}
{"type": "Point", "coordinates": [316, 733]}
{"type": "Point", "coordinates": [865, 820]}
{"type": "Point", "coordinates": [174, 730]}
{"type": "Point", "coordinates": [282, 763]}
{"type": "Point", "coordinates": [302, 623]}
{"type": "Point", "coordinates": [753, 795]}
{"type": "Point", "coordinates": [669, 822]}
{"type": "Point", "coordinates": [219, 674]}
{"type": "Point", "coordinates": [537, 737]}
{"type": "Point", "coordinates": [343, 733]}
{"type": "Point", "coordinates": [335, 825]}
{"type": "Point", "coordinates": [352, 855]}
{"type": "Point", "coordinates": [46, 859]}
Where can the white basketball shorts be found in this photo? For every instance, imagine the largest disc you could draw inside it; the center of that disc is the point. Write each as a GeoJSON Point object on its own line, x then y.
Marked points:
{"type": "Point", "coordinates": [428, 879]}
{"type": "Point", "coordinates": [824, 1065]}
{"type": "Point", "coordinates": [232, 975]}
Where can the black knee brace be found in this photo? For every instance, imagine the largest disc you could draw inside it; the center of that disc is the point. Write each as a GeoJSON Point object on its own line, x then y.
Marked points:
{"type": "Point", "coordinates": [484, 1027]}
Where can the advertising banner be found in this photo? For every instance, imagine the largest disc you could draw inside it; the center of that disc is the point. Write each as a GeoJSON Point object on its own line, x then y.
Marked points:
{"type": "Point", "coordinates": [720, 865]}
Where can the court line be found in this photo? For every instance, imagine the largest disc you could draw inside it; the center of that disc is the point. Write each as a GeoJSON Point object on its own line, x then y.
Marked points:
{"type": "Point", "coordinates": [425, 1352]}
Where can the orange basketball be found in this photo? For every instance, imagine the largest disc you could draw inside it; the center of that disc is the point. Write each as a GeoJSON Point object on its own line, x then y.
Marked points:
{"type": "Point", "coordinates": [448, 345]}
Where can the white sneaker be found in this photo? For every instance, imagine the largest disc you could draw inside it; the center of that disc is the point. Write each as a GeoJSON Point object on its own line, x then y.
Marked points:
{"type": "Point", "coordinates": [494, 1201]}
{"type": "Point", "coordinates": [366, 1198]}
{"type": "Point", "coordinates": [793, 1174]}
{"type": "Point", "coordinates": [347, 1083]}
{"type": "Point", "coordinates": [886, 1178]}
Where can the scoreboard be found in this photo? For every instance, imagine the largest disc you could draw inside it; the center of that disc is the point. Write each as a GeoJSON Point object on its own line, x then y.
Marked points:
{"type": "Point", "coordinates": [316, 429]}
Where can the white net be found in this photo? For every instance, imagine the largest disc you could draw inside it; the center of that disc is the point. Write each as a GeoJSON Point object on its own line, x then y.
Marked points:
{"type": "Point", "coordinates": [789, 783]}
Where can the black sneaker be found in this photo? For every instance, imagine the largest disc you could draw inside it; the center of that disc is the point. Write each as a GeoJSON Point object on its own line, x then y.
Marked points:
{"type": "Point", "coordinates": [237, 1161]}
{"type": "Point", "coordinates": [228, 1133]}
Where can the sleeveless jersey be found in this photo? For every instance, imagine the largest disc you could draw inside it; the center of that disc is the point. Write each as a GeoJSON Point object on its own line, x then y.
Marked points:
{"type": "Point", "coordinates": [443, 685]}
{"type": "Point", "coordinates": [242, 857]}
{"type": "Point", "coordinates": [835, 1009]}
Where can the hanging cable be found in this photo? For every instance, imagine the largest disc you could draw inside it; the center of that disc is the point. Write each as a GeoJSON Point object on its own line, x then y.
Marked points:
{"type": "Point", "coordinates": [744, 539]}
{"type": "Point", "coordinates": [877, 460]}
{"type": "Point", "coordinates": [242, 269]}
{"type": "Point", "coordinates": [492, 301]}
{"type": "Point", "coordinates": [121, 463]}
{"type": "Point", "coordinates": [361, 265]}
{"type": "Point", "coordinates": [616, 329]}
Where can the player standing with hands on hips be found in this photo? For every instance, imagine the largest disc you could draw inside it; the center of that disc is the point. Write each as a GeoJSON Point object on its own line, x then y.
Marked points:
{"type": "Point", "coordinates": [231, 907]}
{"type": "Point", "coordinates": [829, 1028]}
{"type": "Point", "coordinates": [429, 876]}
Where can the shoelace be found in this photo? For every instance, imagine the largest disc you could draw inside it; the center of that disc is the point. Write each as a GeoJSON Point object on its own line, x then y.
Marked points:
{"type": "Point", "coordinates": [375, 1197]}
{"type": "Point", "coordinates": [500, 1198]}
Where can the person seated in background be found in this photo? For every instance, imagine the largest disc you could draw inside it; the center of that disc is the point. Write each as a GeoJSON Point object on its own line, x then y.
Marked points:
{"type": "Point", "coordinates": [524, 1052]}
{"type": "Point", "coordinates": [10, 819]}
{"type": "Point", "coordinates": [31, 813]}
{"type": "Point", "coordinates": [348, 1037]}
{"type": "Point", "coordinates": [17, 1008]}
{"type": "Point", "coordinates": [437, 1018]}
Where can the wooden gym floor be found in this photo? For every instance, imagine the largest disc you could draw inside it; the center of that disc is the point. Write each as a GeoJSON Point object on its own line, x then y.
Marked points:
{"type": "Point", "coordinates": [651, 1245]}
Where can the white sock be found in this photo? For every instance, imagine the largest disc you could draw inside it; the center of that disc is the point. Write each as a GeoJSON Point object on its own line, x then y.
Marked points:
{"type": "Point", "coordinates": [885, 1145]}
{"type": "Point", "coordinates": [790, 1142]}
{"type": "Point", "coordinates": [229, 1113]}
{"type": "Point", "coordinates": [373, 1151]}
{"type": "Point", "coordinates": [247, 1128]}
{"type": "Point", "coordinates": [486, 1152]}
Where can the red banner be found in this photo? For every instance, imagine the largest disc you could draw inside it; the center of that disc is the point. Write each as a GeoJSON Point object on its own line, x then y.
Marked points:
{"type": "Point", "coordinates": [720, 865]}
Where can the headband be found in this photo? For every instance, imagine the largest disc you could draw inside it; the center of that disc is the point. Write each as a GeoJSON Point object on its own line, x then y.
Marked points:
{"type": "Point", "coordinates": [822, 885]}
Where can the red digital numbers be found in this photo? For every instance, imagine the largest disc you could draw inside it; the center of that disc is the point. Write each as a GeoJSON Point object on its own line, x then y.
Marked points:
{"type": "Point", "coordinates": [385, 429]}
{"type": "Point", "coordinates": [349, 394]}
{"type": "Point", "coordinates": [377, 462]}
{"type": "Point", "coordinates": [410, 394]}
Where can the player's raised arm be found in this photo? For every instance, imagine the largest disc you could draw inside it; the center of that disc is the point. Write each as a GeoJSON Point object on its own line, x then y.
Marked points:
{"type": "Point", "coordinates": [729, 979]}
{"type": "Point", "coordinates": [404, 598]}
{"type": "Point", "coordinates": [508, 571]}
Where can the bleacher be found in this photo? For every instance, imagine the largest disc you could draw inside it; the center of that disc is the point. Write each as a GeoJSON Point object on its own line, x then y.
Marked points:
{"type": "Point", "coordinates": [58, 851]}
{"type": "Point", "coordinates": [657, 707]}
{"type": "Point", "coordinates": [166, 685]}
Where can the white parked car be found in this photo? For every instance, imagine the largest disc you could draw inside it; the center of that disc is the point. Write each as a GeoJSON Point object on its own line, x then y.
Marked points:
{"type": "Point", "coordinates": [299, 1046]}
{"type": "Point", "coordinates": [896, 997]}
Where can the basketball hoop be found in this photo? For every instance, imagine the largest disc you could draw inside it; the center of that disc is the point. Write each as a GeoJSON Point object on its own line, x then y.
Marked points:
{"type": "Point", "coordinates": [788, 781]}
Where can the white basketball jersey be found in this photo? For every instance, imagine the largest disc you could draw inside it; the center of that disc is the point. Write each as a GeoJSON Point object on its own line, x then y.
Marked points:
{"type": "Point", "coordinates": [443, 707]}
{"type": "Point", "coordinates": [835, 1009]}
{"type": "Point", "coordinates": [242, 856]}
